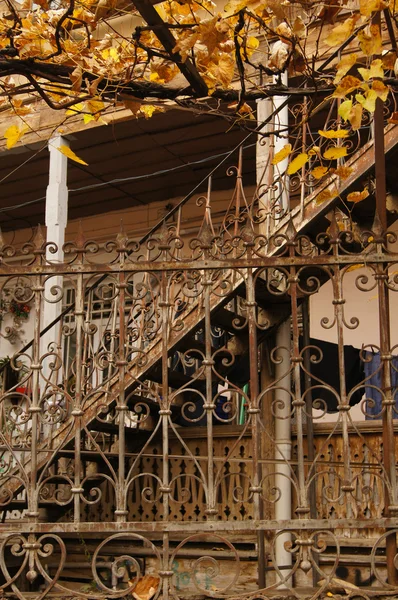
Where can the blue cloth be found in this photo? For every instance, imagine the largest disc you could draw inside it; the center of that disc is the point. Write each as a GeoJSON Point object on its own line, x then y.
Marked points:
{"type": "Point", "coordinates": [373, 370]}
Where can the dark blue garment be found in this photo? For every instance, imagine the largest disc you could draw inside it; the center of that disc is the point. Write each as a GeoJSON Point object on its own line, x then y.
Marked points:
{"type": "Point", "coordinates": [373, 385]}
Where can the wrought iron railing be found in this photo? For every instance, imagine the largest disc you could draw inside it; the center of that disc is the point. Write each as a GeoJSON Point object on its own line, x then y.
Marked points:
{"type": "Point", "coordinates": [174, 334]}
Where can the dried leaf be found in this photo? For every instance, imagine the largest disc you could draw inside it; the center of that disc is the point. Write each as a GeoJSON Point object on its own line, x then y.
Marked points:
{"type": "Point", "coordinates": [366, 7]}
{"type": "Point", "coordinates": [389, 60]}
{"type": "Point", "coordinates": [299, 28]}
{"type": "Point", "coordinates": [343, 172]}
{"type": "Point", "coordinates": [146, 587]}
{"type": "Point", "coordinates": [284, 31]}
{"type": "Point", "coordinates": [380, 89]}
{"type": "Point", "coordinates": [346, 63]}
{"type": "Point", "coordinates": [20, 108]}
{"type": "Point", "coordinates": [334, 133]}
{"type": "Point", "coordinates": [370, 40]}
{"type": "Point", "coordinates": [298, 162]}
{"type": "Point", "coordinates": [325, 195]}
{"type": "Point", "coordinates": [92, 87]}
{"type": "Point", "coordinates": [282, 154]}
{"type": "Point", "coordinates": [394, 118]}
{"type": "Point", "coordinates": [348, 84]}
{"type": "Point", "coordinates": [335, 152]}
{"type": "Point", "coordinates": [212, 32]}
{"type": "Point", "coordinates": [358, 196]}
{"type": "Point", "coordinates": [76, 78]}
{"type": "Point", "coordinates": [13, 134]}
{"type": "Point", "coordinates": [133, 106]}
{"type": "Point", "coordinates": [70, 154]}
{"type": "Point", "coordinates": [218, 71]}
{"type": "Point", "coordinates": [319, 172]}
{"type": "Point", "coordinates": [95, 106]}
{"type": "Point", "coordinates": [340, 33]}
{"type": "Point", "coordinates": [355, 117]}
{"type": "Point", "coordinates": [279, 55]}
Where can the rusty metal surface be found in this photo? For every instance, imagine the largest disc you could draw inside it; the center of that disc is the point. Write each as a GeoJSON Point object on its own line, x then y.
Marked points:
{"type": "Point", "coordinates": [114, 465]}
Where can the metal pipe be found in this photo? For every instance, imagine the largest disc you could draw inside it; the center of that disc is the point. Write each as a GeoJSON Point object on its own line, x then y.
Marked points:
{"type": "Point", "coordinates": [283, 442]}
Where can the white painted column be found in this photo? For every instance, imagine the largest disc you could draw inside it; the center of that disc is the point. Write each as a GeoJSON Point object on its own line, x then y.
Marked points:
{"type": "Point", "coordinates": [264, 169]}
{"type": "Point", "coordinates": [56, 221]}
{"type": "Point", "coordinates": [283, 444]}
{"type": "Point", "coordinates": [283, 435]}
{"type": "Point", "coordinates": [266, 174]}
{"type": "Point", "coordinates": [281, 122]}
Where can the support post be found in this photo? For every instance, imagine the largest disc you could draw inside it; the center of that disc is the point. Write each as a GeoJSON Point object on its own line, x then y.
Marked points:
{"type": "Point", "coordinates": [56, 220]}
{"type": "Point", "coordinates": [264, 179]}
{"type": "Point", "coordinates": [281, 123]}
{"type": "Point", "coordinates": [283, 444]}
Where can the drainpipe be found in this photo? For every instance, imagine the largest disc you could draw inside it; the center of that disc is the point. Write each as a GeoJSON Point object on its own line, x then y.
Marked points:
{"type": "Point", "coordinates": [283, 446]}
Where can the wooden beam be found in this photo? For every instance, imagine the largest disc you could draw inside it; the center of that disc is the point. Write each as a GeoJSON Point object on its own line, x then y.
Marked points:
{"type": "Point", "coordinates": [166, 38]}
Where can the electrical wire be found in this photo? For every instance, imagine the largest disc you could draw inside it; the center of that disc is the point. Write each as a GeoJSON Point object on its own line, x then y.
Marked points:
{"type": "Point", "coordinates": [126, 179]}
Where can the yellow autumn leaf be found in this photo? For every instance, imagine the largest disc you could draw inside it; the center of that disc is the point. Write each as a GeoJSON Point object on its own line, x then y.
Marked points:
{"type": "Point", "coordinates": [66, 151]}
{"type": "Point", "coordinates": [366, 7]}
{"type": "Point", "coordinates": [380, 89]}
{"type": "Point", "coordinates": [355, 267]}
{"type": "Point", "coordinates": [148, 109]}
{"type": "Point", "coordinates": [298, 162]}
{"type": "Point", "coordinates": [345, 109]}
{"type": "Point", "coordinates": [252, 43]}
{"type": "Point", "coordinates": [314, 151]}
{"type": "Point", "coordinates": [355, 116]}
{"type": "Point", "coordinates": [368, 101]}
{"type": "Point", "coordinates": [358, 196]}
{"type": "Point", "coordinates": [346, 63]}
{"type": "Point", "coordinates": [13, 134]}
{"type": "Point", "coordinates": [343, 172]}
{"type": "Point", "coordinates": [218, 71]}
{"type": "Point", "coordinates": [282, 154]}
{"type": "Point", "coordinates": [76, 108]}
{"type": "Point", "coordinates": [319, 172]}
{"type": "Point", "coordinates": [335, 152]}
{"type": "Point", "coordinates": [375, 70]}
{"type": "Point", "coordinates": [334, 133]}
{"type": "Point", "coordinates": [325, 195]}
{"type": "Point", "coordinates": [114, 54]}
{"type": "Point", "coordinates": [370, 40]}
{"type": "Point", "coordinates": [347, 84]}
{"type": "Point", "coordinates": [340, 33]}
{"type": "Point", "coordinates": [95, 106]}
{"type": "Point", "coordinates": [88, 118]}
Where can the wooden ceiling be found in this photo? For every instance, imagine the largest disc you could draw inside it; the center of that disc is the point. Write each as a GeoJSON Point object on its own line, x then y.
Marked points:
{"type": "Point", "coordinates": [134, 148]}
